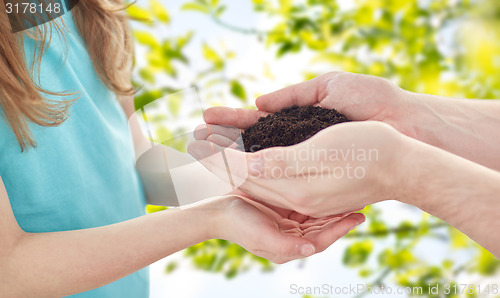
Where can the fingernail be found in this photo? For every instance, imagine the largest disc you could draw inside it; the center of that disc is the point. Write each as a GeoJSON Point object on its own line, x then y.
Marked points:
{"type": "Point", "coordinates": [307, 250]}
{"type": "Point", "coordinates": [255, 164]}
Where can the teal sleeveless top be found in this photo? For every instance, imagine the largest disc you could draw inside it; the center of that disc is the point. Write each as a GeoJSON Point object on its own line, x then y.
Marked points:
{"type": "Point", "coordinates": [82, 173]}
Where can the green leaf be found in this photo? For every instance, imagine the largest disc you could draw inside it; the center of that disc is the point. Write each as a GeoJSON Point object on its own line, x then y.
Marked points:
{"type": "Point", "coordinates": [378, 228]}
{"type": "Point", "coordinates": [139, 13]}
{"type": "Point", "coordinates": [396, 259]}
{"type": "Point", "coordinates": [288, 47]}
{"type": "Point", "coordinates": [146, 38]}
{"type": "Point", "coordinates": [487, 264]}
{"type": "Point", "coordinates": [195, 7]}
{"type": "Point", "coordinates": [284, 48]}
{"type": "Point", "coordinates": [357, 253]}
{"type": "Point", "coordinates": [211, 55]}
{"type": "Point", "coordinates": [170, 267]}
{"type": "Point", "coordinates": [159, 11]}
{"type": "Point", "coordinates": [405, 230]}
{"type": "Point", "coordinates": [174, 103]}
{"type": "Point", "coordinates": [185, 39]}
{"type": "Point", "coordinates": [147, 75]}
{"type": "Point", "coordinates": [215, 81]}
{"type": "Point", "coordinates": [447, 264]}
{"type": "Point", "coordinates": [146, 97]}
{"type": "Point", "coordinates": [162, 134]}
{"type": "Point", "coordinates": [238, 90]}
{"type": "Point", "coordinates": [205, 262]}
{"type": "Point", "coordinates": [232, 273]}
{"type": "Point", "coordinates": [458, 239]}
{"type": "Point", "coordinates": [365, 272]}
{"type": "Point", "coordinates": [220, 10]}
{"type": "Point", "coordinates": [214, 3]}
{"type": "Point", "coordinates": [154, 208]}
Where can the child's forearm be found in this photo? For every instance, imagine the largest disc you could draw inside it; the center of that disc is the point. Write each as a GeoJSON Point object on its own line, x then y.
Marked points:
{"type": "Point", "coordinates": [468, 128]}
{"type": "Point", "coordinates": [63, 263]}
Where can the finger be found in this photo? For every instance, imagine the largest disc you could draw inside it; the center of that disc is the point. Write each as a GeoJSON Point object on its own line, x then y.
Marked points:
{"type": "Point", "coordinates": [245, 165]}
{"type": "Point", "coordinates": [203, 131]}
{"type": "Point", "coordinates": [301, 170]}
{"type": "Point", "coordinates": [303, 94]}
{"type": "Point", "coordinates": [267, 198]}
{"type": "Point", "coordinates": [240, 118]}
{"type": "Point", "coordinates": [322, 239]}
{"type": "Point", "coordinates": [298, 217]}
{"type": "Point", "coordinates": [235, 167]}
{"type": "Point", "coordinates": [226, 142]}
{"type": "Point", "coordinates": [278, 215]}
{"type": "Point", "coordinates": [270, 256]}
{"type": "Point", "coordinates": [278, 207]}
{"type": "Point", "coordinates": [228, 164]}
{"type": "Point", "coordinates": [264, 208]}
{"type": "Point", "coordinates": [318, 220]}
{"type": "Point", "coordinates": [283, 212]}
{"type": "Point", "coordinates": [264, 194]}
{"type": "Point", "coordinates": [286, 247]}
{"type": "Point", "coordinates": [266, 239]}
{"type": "Point", "coordinates": [209, 153]}
{"type": "Point", "coordinates": [319, 223]}
{"type": "Point", "coordinates": [292, 230]}
{"type": "Point", "coordinates": [272, 169]}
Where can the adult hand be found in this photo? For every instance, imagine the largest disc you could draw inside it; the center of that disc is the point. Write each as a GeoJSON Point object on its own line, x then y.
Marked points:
{"type": "Point", "coordinates": [342, 168]}
{"type": "Point", "coordinates": [280, 235]}
{"type": "Point", "coordinates": [359, 97]}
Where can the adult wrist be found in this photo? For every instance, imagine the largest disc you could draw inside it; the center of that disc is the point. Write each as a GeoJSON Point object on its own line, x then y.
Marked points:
{"type": "Point", "coordinates": [439, 182]}
{"type": "Point", "coordinates": [419, 165]}
{"type": "Point", "coordinates": [425, 119]}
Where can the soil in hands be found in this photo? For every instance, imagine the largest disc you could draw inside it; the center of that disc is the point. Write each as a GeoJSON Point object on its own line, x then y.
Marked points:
{"type": "Point", "coordinates": [289, 126]}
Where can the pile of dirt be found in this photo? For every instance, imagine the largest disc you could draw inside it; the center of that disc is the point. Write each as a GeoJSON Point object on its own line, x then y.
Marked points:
{"type": "Point", "coordinates": [289, 126]}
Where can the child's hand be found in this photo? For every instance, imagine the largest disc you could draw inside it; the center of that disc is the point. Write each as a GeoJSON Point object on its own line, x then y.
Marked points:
{"type": "Point", "coordinates": [281, 235]}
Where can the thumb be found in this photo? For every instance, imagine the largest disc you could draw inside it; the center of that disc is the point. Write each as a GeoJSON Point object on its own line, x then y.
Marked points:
{"type": "Point", "coordinates": [285, 248]}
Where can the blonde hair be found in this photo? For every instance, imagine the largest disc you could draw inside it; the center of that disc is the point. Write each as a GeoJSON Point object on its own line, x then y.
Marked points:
{"type": "Point", "coordinates": [104, 28]}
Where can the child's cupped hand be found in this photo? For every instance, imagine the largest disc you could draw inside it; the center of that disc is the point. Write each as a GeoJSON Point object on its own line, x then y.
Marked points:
{"type": "Point", "coordinates": [278, 234]}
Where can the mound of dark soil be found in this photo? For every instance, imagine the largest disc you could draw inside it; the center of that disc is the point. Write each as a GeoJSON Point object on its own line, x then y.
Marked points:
{"type": "Point", "coordinates": [289, 126]}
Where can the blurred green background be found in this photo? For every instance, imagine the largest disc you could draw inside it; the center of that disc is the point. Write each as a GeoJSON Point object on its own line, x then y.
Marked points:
{"type": "Point", "coordinates": [233, 51]}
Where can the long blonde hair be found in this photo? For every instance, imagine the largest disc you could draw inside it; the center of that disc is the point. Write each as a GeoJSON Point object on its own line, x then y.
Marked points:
{"type": "Point", "coordinates": [104, 28]}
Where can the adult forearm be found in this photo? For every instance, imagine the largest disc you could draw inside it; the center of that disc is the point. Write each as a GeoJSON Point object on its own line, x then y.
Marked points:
{"type": "Point", "coordinates": [63, 263]}
{"type": "Point", "coordinates": [468, 128]}
{"type": "Point", "coordinates": [464, 194]}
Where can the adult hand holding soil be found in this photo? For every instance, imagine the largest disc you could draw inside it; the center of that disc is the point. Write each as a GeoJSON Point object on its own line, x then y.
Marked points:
{"type": "Point", "coordinates": [342, 168]}
{"type": "Point", "coordinates": [359, 97]}
{"type": "Point", "coordinates": [467, 128]}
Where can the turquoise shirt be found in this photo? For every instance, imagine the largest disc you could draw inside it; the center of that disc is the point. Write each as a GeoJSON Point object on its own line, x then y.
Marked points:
{"type": "Point", "coordinates": [82, 173]}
